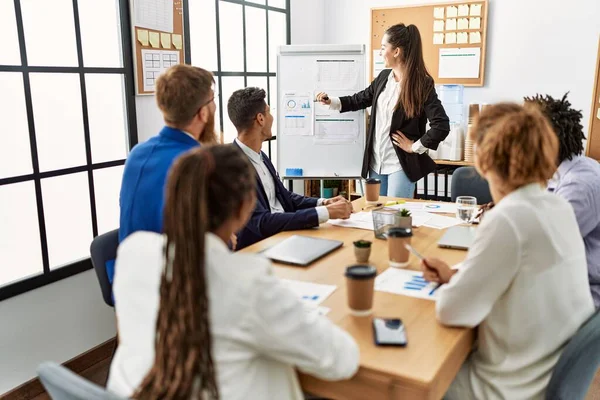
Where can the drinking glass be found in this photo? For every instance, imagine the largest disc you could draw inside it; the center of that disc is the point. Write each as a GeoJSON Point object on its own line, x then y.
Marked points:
{"type": "Point", "coordinates": [466, 208]}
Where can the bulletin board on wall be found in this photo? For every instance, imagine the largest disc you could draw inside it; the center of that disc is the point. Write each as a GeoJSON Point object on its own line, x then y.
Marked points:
{"type": "Point", "coordinates": [158, 35]}
{"type": "Point", "coordinates": [593, 142]}
{"type": "Point", "coordinates": [453, 35]}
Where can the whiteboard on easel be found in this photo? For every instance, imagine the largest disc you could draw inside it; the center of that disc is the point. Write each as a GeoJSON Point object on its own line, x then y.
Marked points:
{"type": "Point", "coordinates": [322, 142]}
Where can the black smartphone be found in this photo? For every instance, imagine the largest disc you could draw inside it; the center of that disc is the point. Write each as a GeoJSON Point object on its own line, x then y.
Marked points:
{"type": "Point", "coordinates": [389, 332]}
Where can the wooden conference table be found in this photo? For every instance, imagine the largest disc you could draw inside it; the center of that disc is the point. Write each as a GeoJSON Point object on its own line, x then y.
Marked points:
{"type": "Point", "coordinates": [424, 368]}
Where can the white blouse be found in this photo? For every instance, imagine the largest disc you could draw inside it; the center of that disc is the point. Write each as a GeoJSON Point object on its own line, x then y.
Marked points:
{"type": "Point", "coordinates": [260, 329]}
{"type": "Point", "coordinates": [524, 282]}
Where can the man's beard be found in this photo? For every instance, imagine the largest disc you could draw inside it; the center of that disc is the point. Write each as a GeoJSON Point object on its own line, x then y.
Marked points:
{"type": "Point", "coordinates": [208, 135]}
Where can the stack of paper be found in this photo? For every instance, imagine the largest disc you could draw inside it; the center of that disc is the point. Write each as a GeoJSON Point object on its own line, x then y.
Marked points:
{"type": "Point", "coordinates": [406, 282]}
{"type": "Point", "coordinates": [359, 220]}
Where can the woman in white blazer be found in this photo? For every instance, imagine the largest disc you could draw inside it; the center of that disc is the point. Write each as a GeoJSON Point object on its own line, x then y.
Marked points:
{"type": "Point", "coordinates": [524, 281]}
{"type": "Point", "coordinates": [196, 319]}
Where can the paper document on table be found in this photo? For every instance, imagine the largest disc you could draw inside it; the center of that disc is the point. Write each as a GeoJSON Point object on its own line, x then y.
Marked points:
{"type": "Point", "coordinates": [338, 74]}
{"type": "Point", "coordinates": [297, 113]}
{"type": "Point", "coordinates": [442, 222]}
{"type": "Point", "coordinates": [459, 63]}
{"type": "Point", "coordinates": [311, 294]}
{"type": "Point", "coordinates": [444, 208]}
{"type": "Point", "coordinates": [359, 220]}
{"type": "Point", "coordinates": [406, 282]}
{"type": "Point", "coordinates": [154, 14]}
{"type": "Point", "coordinates": [333, 127]}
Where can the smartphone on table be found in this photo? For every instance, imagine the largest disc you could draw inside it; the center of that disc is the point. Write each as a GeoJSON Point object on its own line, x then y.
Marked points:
{"type": "Point", "coordinates": [389, 332]}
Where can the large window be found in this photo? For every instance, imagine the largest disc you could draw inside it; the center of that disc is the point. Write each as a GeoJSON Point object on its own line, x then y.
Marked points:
{"type": "Point", "coordinates": [68, 123]}
{"type": "Point", "coordinates": [238, 41]}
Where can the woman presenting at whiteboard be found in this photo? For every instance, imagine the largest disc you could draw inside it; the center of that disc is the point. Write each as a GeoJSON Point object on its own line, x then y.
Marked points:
{"type": "Point", "coordinates": [403, 99]}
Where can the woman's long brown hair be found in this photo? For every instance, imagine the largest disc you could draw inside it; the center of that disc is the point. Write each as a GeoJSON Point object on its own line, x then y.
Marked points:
{"type": "Point", "coordinates": [417, 83]}
{"type": "Point", "coordinates": [205, 188]}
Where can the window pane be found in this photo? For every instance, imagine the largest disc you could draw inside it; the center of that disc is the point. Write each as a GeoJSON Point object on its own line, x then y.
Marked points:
{"type": "Point", "coordinates": [20, 249]}
{"type": "Point", "coordinates": [257, 81]}
{"type": "Point", "coordinates": [68, 218]}
{"type": "Point", "coordinates": [256, 39]}
{"type": "Point", "coordinates": [203, 34]}
{"type": "Point", "coordinates": [106, 111]}
{"type": "Point", "coordinates": [58, 120]}
{"type": "Point", "coordinates": [232, 36]}
{"type": "Point", "coordinates": [10, 54]}
{"type": "Point", "coordinates": [15, 154]}
{"type": "Point", "coordinates": [107, 185]}
{"type": "Point", "coordinates": [230, 85]}
{"type": "Point", "coordinates": [100, 33]}
{"type": "Point", "coordinates": [277, 37]}
{"type": "Point", "coordinates": [277, 3]}
{"type": "Point", "coordinates": [257, 2]}
{"type": "Point", "coordinates": [49, 32]}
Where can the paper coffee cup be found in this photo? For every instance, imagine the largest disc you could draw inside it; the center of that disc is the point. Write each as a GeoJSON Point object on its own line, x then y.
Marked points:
{"type": "Point", "coordinates": [373, 186]}
{"type": "Point", "coordinates": [398, 253]}
{"type": "Point", "coordinates": [360, 285]}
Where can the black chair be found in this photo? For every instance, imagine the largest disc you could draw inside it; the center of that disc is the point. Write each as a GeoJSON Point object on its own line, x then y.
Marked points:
{"type": "Point", "coordinates": [103, 250]}
{"type": "Point", "coordinates": [467, 182]}
{"type": "Point", "coordinates": [577, 365]}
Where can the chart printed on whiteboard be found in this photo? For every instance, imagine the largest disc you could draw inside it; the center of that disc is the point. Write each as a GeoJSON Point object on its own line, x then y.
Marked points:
{"type": "Point", "coordinates": [333, 127]}
{"type": "Point", "coordinates": [297, 113]}
{"type": "Point", "coordinates": [154, 14]}
{"type": "Point", "coordinates": [338, 74]}
{"type": "Point", "coordinates": [154, 63]}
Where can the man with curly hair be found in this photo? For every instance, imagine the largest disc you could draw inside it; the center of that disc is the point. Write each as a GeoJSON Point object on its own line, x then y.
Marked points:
{"type": "Point", "coordinates": [577, 179]}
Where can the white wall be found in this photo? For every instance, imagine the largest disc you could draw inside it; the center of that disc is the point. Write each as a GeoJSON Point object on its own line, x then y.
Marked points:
{"type": "Point", "coordinates": [533, 46]}
{"type": "Point", "coordinates": [54, 323]}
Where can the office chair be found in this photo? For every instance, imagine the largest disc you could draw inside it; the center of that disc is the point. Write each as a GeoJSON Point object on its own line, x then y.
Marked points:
{"type": "Point", "coordinates": [104, 251]}
{"type": "Point", "coordinates": [63, 384]}
{"type": "Point", "coordinates": [577, 365]}
{"type": "Point", "coordinates": [467, 182]}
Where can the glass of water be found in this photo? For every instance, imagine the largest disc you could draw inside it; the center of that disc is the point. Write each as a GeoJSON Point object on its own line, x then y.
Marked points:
{"type": "Point", "coordinates": [466, 208]}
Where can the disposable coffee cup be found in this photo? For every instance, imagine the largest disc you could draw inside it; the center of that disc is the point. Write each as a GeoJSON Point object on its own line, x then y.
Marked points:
{"type": "Point", "coordinates": [373, 186]}
{"type": "Point", "coordinates": [398, 238]}
{"type": "Point", "coordinates": [360, 284]}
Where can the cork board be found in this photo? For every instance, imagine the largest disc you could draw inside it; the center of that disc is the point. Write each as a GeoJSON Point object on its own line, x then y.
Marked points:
{"type": "Point", "coordinates": [593, 142]}
{"type": "Point", "coordinates": [424, 18]}
{"type": "Point", "coordinates": [158, 38]}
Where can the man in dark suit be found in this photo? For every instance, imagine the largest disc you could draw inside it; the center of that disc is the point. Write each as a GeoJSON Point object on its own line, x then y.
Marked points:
{"type": "Point", "coordinates": [277, 209]}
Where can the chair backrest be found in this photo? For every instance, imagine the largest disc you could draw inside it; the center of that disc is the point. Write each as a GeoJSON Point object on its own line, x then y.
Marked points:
{"type": "Point", "coordinates": [63, 384]}
{"type": "Point", "coordinates": [577, 365]}
{"type": "Point", "coordinates": [104, 250]}
{"type": "Point", "coordinates": [467, 182]}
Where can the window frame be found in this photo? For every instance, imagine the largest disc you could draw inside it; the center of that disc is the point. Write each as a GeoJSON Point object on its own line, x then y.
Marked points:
{"type": "Point", "coordinates": [219, 73]}
{"type": "Point", "coordinates": [48, 275]}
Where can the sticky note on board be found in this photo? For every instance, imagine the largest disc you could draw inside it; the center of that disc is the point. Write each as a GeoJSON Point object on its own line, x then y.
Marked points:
{"type": "Point", "coordinates": [475, 10]}
{"type": "Point", "coordinates": [165, 40]}
{"type": "Point", "coordinates": [154, 39]}
{"type": "Point", "coordinates": [438, 26]}
{"type": "Point", "coordinates": [438, 38]}
{"type": "Point", "coordinates": [462, 37]}
{"type": "Point", "coordinates": [142, 36]}
{"type": "Point", "coordinates": [450, 38]}
{"type": "Point", "coordinates": [438, 13]}
{"type": "Point", "coordinates": [474, 37]}
{"type": "Point", "coordinates": [463, 10]}
{"type": "Point", "coordinates": [475, 23]}
{"type": "Point", "coordinates": [451, 24]}
{"type": "Point", "coordinates": [177, 41]}
{"type": "Point", "coordinates": [451, 12]}
{"type": "Point", "coordinates": [463, 23]}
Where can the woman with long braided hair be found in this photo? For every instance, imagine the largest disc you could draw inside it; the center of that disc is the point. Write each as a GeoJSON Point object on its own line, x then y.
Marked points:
{"type": "Point", "coordinates": [197, 321]}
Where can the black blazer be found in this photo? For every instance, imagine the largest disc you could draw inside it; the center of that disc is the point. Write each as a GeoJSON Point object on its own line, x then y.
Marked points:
{"type": "Point", "coordinates": [416, 166]}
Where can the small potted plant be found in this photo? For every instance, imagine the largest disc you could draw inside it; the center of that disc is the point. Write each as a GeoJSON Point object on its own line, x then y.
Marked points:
{"type": "Point", "coordinates": [330, 188]}
{"type": "Point", "coordinates": [362, 250]}
{"type": "Point", "coordinates": [404, 219]}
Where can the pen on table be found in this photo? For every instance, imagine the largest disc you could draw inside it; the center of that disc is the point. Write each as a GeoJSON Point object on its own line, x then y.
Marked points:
{"type": "Point", "coordinates": [420, 257]}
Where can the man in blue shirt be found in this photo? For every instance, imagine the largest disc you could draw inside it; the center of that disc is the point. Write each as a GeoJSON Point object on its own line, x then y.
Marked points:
{"type": "Point", "coordinates": [185, 97]}
{"type": "Point", "coordinates": [577, 180]}
{"type": "Point", "coordinates": [277, 209]}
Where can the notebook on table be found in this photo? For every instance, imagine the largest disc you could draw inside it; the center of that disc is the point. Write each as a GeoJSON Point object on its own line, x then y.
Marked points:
{"type": "Point", "coordinates": [301, 250]}
{"type": "Point", "coordinates": [458, 237]}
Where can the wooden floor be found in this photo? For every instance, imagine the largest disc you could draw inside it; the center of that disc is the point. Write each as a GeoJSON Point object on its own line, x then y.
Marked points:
{"type": "Point", "coordinates": [99, 372]}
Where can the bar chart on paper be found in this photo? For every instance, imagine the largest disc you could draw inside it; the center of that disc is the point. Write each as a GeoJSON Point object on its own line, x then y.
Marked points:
{"type": "Point", "coordinates": [406, 282]}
